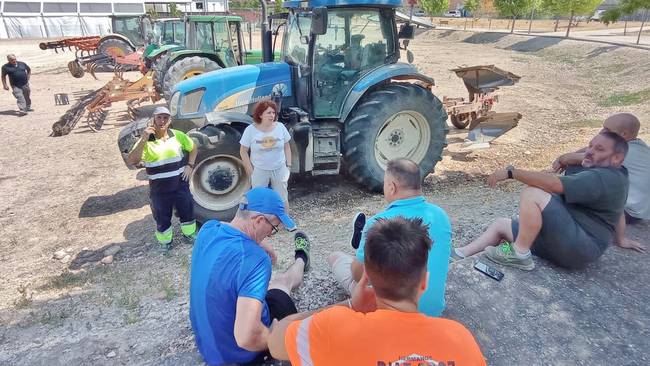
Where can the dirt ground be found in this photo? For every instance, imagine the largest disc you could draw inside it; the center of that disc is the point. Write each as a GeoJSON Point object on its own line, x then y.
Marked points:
{"type": "Point", "coordinates": [539, 25]}
{"type": "Point", "coordinates": [74, 194]}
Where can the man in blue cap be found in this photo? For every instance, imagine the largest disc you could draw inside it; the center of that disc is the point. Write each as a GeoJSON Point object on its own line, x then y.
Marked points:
{"type": "Point", "coordinates": [233, 300]}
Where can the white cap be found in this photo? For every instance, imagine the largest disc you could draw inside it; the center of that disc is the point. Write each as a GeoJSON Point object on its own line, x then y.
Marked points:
{"type": "Point", "coordinates": [161, 110]}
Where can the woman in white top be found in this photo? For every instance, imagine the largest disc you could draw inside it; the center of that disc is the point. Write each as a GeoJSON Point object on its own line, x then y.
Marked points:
{"type": "Point", "coordinates": [267, 141]}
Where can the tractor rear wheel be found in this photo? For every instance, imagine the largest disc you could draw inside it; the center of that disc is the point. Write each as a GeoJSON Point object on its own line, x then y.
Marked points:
{"type": "Point", "coordinates": [114, 47]}
{"type": "Point", "coordinates": [400, 120]}
{"type": "Point", "coordinates": [184, 69]}
{"type": "Point", "coordinates": [160, 67]}
{"type": "Point", "coordinates": [219, 179]}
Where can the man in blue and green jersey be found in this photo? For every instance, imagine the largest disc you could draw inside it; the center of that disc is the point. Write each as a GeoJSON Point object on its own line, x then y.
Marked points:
{"type": "Point", "coordinates": [168, 156]}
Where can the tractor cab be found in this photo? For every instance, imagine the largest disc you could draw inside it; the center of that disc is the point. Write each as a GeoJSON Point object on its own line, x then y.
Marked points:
{"type": "Point", "coordinates": [135, 28]}
{"type": "Point", "coordinates": [330, 49]}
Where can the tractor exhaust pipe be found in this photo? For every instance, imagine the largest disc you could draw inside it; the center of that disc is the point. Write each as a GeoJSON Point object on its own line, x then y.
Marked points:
{"type": "Point", "coordinates": [267, 52]}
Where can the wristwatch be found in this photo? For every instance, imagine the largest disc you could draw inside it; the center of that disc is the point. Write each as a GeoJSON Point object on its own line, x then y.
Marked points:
{"type": "Point", "coordinates": [510, 169]}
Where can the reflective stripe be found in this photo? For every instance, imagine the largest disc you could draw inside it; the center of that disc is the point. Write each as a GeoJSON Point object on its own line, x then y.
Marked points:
{"type": "Point", "coordinates": [167, 174]}
{"type": "Point", "coordinates": [166, 237]}
{"type": "Point", "coordinates": [188, 228]}
{"type": "Point", "coordinates": [163, 161]}
{"type": "Point", "coordinates": [302, 343]}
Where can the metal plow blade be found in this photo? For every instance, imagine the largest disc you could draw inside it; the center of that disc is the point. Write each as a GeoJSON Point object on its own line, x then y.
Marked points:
{"type": "Point", "coordinates": [485, 78]}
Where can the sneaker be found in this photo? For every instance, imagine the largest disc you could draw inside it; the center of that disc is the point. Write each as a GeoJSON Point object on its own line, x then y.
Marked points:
{"type": "Point", "coordinates": [165, 247]}
{"type": "Point", "coordinates": [190, 238]}
{"type": "Point", "coordinates": [30, 109]}
{"type": "Point", "coordinates": [358, 223]}
{"type": "Point", "coordinates": [22, 112]}
{"type": "Point", "coordinates": [454, 257]}
{"type": "Point", "coordinates": [302, 244]}
{"type": "Point", "coordinates": [504, 254]}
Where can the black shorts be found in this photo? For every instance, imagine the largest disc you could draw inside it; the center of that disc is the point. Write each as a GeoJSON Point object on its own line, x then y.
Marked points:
{"type": "Point", "coordinates": [280, 306]}
{"type": "Point", "coordinates": [561, 240]}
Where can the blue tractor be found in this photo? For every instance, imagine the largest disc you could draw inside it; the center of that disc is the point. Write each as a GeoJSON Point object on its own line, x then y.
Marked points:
{"type": "Point", "coordinates": [343, 94]}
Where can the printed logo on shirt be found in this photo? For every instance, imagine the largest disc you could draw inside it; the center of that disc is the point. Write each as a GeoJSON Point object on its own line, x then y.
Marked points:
{"type": "Point", "coordinates": [268, 142]}
{"type": "Point", "coordinates": [416, 360]}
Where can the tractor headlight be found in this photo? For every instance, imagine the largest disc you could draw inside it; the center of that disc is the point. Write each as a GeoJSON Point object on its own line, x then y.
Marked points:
{"type": "Point", "coordinates": [192, 101]}
{"type": "Point", "coordinates": [173, 103]}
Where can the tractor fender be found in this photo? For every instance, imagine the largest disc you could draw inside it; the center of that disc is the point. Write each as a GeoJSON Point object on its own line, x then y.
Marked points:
{"type": "Point", "coordinates": [177, 55]}
{"type": "Point", "coordinates": [207, 135]}
{"type": "Point", "coordinates": [399, 71]}
{"type": "Point", "coordinates": [153, 52]}
{"type": "Point", "coordinates": [120, 37]}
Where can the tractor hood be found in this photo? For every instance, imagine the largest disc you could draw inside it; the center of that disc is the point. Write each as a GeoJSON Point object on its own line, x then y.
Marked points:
{"type": "Point", "coordinates": [232, 89]}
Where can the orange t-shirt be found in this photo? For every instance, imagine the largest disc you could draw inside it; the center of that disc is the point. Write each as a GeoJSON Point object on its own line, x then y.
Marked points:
{"type": "Point", "coordinates": [341, 336]}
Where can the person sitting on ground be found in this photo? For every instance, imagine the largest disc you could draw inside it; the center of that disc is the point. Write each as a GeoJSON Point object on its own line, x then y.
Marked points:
{"type": "Point", "coordinates": [568, 220]}
{"type": "Point", "coordinates": [169, 157]}
{"type": "Point", "coordinates": [403, 192]}
{"type": "Point", "coordinates": [267, 141]}
{"type": "Point", "coordinates": [637, 163]}
{"type": "Point", "coordinates": [232, 297]}
{"type": "Point", "coordinates": [381, 324]}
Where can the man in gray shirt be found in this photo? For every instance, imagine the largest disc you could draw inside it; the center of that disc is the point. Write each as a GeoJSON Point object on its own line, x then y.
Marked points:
{"type": "Point", "coordinates": [637, 163]}
{"type": "Point", "coordinates": [568, 220]}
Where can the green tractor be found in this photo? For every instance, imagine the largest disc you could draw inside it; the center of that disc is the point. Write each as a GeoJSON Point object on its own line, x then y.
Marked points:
{"type": "Point", "coordinates": [212, 43]}
{"type": "Point", "coordinates": [345, 97]}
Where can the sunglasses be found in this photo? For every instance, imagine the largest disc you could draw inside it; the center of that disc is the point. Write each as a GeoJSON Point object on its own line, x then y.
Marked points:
{"type": "Point", "coordinates": [275, 228]}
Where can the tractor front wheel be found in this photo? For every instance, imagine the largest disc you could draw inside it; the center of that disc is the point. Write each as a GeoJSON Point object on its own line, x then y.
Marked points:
{"type": "Point", "coordinates": [219, 179]}
{"type": "Point", "coordinates": [461, 121]}
{"type": "Point", "coordinates": [184, 69]}
{"type": "Point", "coordinates": [399, 120]}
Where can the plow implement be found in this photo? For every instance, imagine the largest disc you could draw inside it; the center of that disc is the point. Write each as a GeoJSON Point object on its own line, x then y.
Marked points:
{"type": "Point", "coordinates": [93, 106]}
{"type": "Point", "coordinates": [89, 59]}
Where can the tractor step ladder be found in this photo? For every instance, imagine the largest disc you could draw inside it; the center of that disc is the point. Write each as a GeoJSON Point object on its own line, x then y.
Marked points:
{"type": "Point", "coordinates": [327, 151]}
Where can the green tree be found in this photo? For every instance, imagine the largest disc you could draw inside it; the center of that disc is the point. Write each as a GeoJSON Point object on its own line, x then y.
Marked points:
{"type": "Point", "coordinates": [513, 9]}
{"type": "Point", "coordinates": [471, 6]}
{"type": "Point", "coordinates": [571, 8]}
{"type": "Point", "coordinates": [277, 8]}
{"type": "Point", "coordinates": [628, 7]}
{"type": "Point", "coordinates": [174, 11]}
{"type": "Point", "coordinates": [434, 7]}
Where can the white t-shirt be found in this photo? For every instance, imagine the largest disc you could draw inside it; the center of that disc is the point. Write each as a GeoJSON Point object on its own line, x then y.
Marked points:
{"type": "Point", "coordinates": [637, 163]}
{"type": "Point", "coordinates": [267, 148]}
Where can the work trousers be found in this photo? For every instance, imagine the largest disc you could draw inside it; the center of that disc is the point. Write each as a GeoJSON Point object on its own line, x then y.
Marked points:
{"type": "Point", "coordinates": [162, 207]}
{"type": "Point", "coordinates": [22, 95]}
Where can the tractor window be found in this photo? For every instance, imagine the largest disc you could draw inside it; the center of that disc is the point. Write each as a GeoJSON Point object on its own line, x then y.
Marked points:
{"type": "Point", "coordinates": [179, 31]}
{"type": "Point", "coordinates": [357, 41]}
{"type": "Point", "coordinates": [128, 27]}
{"type": "Point", "coordinates": [295, 48]}
{"type": "Point", "coordinates": [204, 37]}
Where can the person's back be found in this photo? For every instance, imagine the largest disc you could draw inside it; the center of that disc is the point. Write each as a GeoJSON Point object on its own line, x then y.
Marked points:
{"type": "Point", "coordinates": [432, 302]}
{"type": "Point", "coordinates": [341, 336]}
{"type": "Point", "coordinates": [637, 162]}
{"type": "Point", "coordinates": [225, 265]}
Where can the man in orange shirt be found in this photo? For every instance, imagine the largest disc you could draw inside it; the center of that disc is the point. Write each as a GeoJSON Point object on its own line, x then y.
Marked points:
{"type": "Point", "coordinates": [381, 324]}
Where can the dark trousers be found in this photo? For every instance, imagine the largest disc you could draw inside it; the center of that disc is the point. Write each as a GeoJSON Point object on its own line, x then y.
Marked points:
{"type": "Point", "coordinates": [162, 206]}
{"type": "Point", "coordinates": [22, 95]}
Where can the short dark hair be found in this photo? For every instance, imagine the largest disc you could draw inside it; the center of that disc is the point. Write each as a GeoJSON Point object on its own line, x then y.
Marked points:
{"type": "Point", "coordinates": [396, 255]}
{"type": "Point", "coordinates": [620, 145]}
{"type": "Point", "coordinates": [406, 172]}
{"type": "Point", "coordinates": [262, 106]}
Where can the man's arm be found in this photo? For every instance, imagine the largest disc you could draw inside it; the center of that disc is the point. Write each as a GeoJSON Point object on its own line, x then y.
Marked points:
{"type": "Point", "coordinates": [4, 79]}
{"type": "Point", "coordinates": [250, 333]}
{"type": "Point", "coordinates": [622, 241]}
{"type": "Point", "coordinates": [357, 269]}
{"type": "Point", "coordinates": [544, 181]}
{"type": "Point", "coordinates": [276, 343]}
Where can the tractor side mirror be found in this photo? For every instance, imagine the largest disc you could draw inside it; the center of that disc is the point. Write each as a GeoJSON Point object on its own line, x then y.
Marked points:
{"type": "Point", "coordinates": [406, 31]}
{"type": "Point", "coordinates": [319, 21]}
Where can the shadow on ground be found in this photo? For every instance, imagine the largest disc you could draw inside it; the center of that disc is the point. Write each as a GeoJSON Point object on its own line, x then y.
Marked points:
{"type": "Point", "coordinates": [481, 38]}
{"type": "Point", "coordinates": [11, 112]}
{"type": "Point", "coordinates": [601, 50]}
{"type": "Point", "coordinates": [128, 199]}
{"type": "Point", "coordinates": [534, 44]}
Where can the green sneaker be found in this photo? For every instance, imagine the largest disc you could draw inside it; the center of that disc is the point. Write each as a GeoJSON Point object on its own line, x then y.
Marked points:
{"type": "Point", "coordinates": [504, 254]}
{"type": "Point", "coordinates": [302, 245]}
{"type": "Point", "coordinates": [190, 238]}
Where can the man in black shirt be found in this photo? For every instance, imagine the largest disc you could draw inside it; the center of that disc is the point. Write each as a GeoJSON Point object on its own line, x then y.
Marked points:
{"type": "Point", "coordinates": [19, 74]}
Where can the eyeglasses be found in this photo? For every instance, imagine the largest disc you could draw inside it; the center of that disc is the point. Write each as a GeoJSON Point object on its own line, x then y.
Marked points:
{"type": "Point", "coordinates": [275, 228]}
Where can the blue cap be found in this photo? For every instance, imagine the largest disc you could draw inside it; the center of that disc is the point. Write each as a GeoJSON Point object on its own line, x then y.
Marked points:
{"type": "Point", "coordinates": [267, 201]}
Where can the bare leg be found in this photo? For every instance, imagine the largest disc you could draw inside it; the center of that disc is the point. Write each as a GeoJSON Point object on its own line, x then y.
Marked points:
{"type": "Point", "coordinates": [533, 201]}
{"type": "Point", "coordinates": [500, 229]}
{"type": "Point", "coordinates": [291, 279]}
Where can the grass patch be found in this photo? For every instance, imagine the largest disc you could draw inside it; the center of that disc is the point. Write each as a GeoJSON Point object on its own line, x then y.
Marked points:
{"type": "Point", "coordinates": [25, 297]}
{"type": "Point", "coordinates": [583, 123]}
{"type": "Point", "coordinates": [54, 319]}
{"type": "Point", "coordinates": [626, 98]}
{"type": "Point", "coordinates": [167, 288]}
{"type": "Point", "coordinates": [128, 299]}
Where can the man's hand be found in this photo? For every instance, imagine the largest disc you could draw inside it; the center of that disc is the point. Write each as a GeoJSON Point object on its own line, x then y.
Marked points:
{"type": "Point", "coordinates": [496, 177]}
{"type": "Point", "coordinates": [187, 173]}
{"type": "Point", "coordinates": [363, 296]}
{"type": "Point", "coordinates": [557, 165]}
{"type": "Point", "coordinates": [6, 87]}
{"type": "Point", "coordinates": [632, 244]}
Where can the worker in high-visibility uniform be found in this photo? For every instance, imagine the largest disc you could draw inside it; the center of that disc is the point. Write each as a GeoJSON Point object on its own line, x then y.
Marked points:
{"type": "Point", "coordinates": [168, 157]}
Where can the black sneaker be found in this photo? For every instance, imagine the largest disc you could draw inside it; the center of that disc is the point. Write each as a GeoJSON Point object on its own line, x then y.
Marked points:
{"type": "Point", "coordinates": [358, 223]}
{"type": "Point", "coordinates": [302, 245]}
{"type": "Point", "coordinates": [30, 109]}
